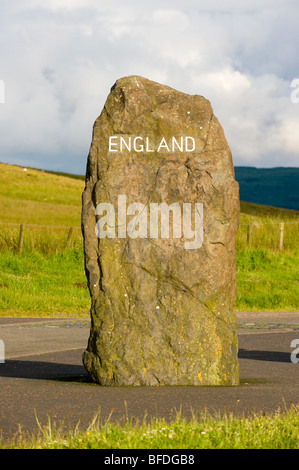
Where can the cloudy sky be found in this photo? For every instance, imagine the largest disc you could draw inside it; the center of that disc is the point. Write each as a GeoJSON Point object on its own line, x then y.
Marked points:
{"type": "Point", "coordinates": [59, 59]}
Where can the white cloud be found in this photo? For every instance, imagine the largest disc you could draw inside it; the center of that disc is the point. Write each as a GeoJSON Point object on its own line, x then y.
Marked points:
{"type": "Point", "coordinates": [62, 56]}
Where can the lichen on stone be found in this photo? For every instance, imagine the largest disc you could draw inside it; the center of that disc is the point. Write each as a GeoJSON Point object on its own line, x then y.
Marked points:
{"type": "Point", "coordinates": [161, 314]}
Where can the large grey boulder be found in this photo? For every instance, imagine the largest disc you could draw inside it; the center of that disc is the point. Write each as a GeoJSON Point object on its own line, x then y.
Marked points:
{"type": "Point", "coordinates": [162, 289]}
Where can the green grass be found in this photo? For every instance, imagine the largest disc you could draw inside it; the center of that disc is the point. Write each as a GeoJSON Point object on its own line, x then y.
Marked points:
{"type": "Point", "coordinates": [54, 199]}
{"type": "Point", "coordinates": [48, 280]}
{"type": "Point", "coordinates": [39, 285]}
{"type": "Point", "coordinates": [35, 284]}
{"type": "Point", "coordinates": [267, 281]}
{"type": "Point", "coordinates": [250, 209]}
{"type": "Point", "coordinates": [39, 239]}
{"type": "Point", "coordinates": [44, 278]}
{"type": "Point", "coordinates": [257, 431]}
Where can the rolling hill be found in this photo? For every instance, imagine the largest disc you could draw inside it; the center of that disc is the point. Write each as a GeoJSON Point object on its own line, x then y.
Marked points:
{"type": "Point", "coordinates": [49, 277]}
{"type": "Point", "coordinates": [34, 196]}
{"type": "Point", "coordinates": [278, 187]}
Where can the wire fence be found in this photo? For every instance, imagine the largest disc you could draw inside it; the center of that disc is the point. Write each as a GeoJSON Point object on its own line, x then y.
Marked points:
{"type": "Point", "coordinates": [49, 239]}
{"type": "Point", "coordinates": [46, 239]}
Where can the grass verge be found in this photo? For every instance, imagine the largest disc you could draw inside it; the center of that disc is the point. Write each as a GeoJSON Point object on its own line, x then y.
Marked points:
{"type": "Point", "coordinates": [34, 284]}
{"type": "Point", "coordinates": [257, 431]}
{"type": "Point", "coordinates": [267, 280]}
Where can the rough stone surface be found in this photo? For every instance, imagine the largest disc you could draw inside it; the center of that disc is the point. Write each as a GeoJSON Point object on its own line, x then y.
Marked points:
{"type": "Point", "coordinates": [161, 314]}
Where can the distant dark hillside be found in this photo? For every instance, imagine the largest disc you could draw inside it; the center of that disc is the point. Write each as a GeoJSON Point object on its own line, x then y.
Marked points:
{"type": "Point", "coordinates": [277, 187]}
{"type": "Point", "coordinates": [274, 187]}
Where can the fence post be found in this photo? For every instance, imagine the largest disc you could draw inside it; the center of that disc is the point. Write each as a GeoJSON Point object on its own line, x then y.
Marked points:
{"type": "Point", "coordinates": [281, 235]}
{"type": "Point", "coordinates": [249, 235]}
{"type": "Point", "coordinates": [69, 238]}
{"type": "Point", "coordinates": [21, 238]}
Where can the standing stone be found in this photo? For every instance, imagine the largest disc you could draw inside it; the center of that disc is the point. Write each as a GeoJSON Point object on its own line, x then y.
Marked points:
{"type": "Point", "coordinates": [162, 306]}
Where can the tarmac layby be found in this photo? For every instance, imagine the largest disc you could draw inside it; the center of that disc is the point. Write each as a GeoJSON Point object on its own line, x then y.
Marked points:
{"type": "Point", "coordinates": [42, 375]}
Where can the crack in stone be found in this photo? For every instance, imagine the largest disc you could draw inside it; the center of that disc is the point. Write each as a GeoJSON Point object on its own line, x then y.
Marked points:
{"type": "Point", "coordinates": [145, 283]}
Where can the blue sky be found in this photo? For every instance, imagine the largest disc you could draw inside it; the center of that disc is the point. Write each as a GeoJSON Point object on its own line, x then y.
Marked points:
{"type": "Point", "coordinates": [59, 59]}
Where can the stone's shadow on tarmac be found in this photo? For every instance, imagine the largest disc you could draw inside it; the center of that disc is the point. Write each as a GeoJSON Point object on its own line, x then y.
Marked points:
{"type": "Point", "coordinates": [43, 370]}
{"type": "Point", "coordinates": [271, 356]}
{"type": "Point", "coordinates": [57, 384]}
{"type": "Point", "coordinates": [31, 369]}
{"type": "Point", "coordinates": [43, 373]}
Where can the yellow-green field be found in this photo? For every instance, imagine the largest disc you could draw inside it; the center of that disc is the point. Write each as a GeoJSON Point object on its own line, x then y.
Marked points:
{"type": "Point", "coordinates": [48, 278]}
{"type": "Point", "coordinates": [48, 204]}
{"type": "Point", "coordinates": [37, 197]}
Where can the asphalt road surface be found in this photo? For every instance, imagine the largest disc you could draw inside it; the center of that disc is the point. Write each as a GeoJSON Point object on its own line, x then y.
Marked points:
{"type": "Point", "coordinates": [42, 375]}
